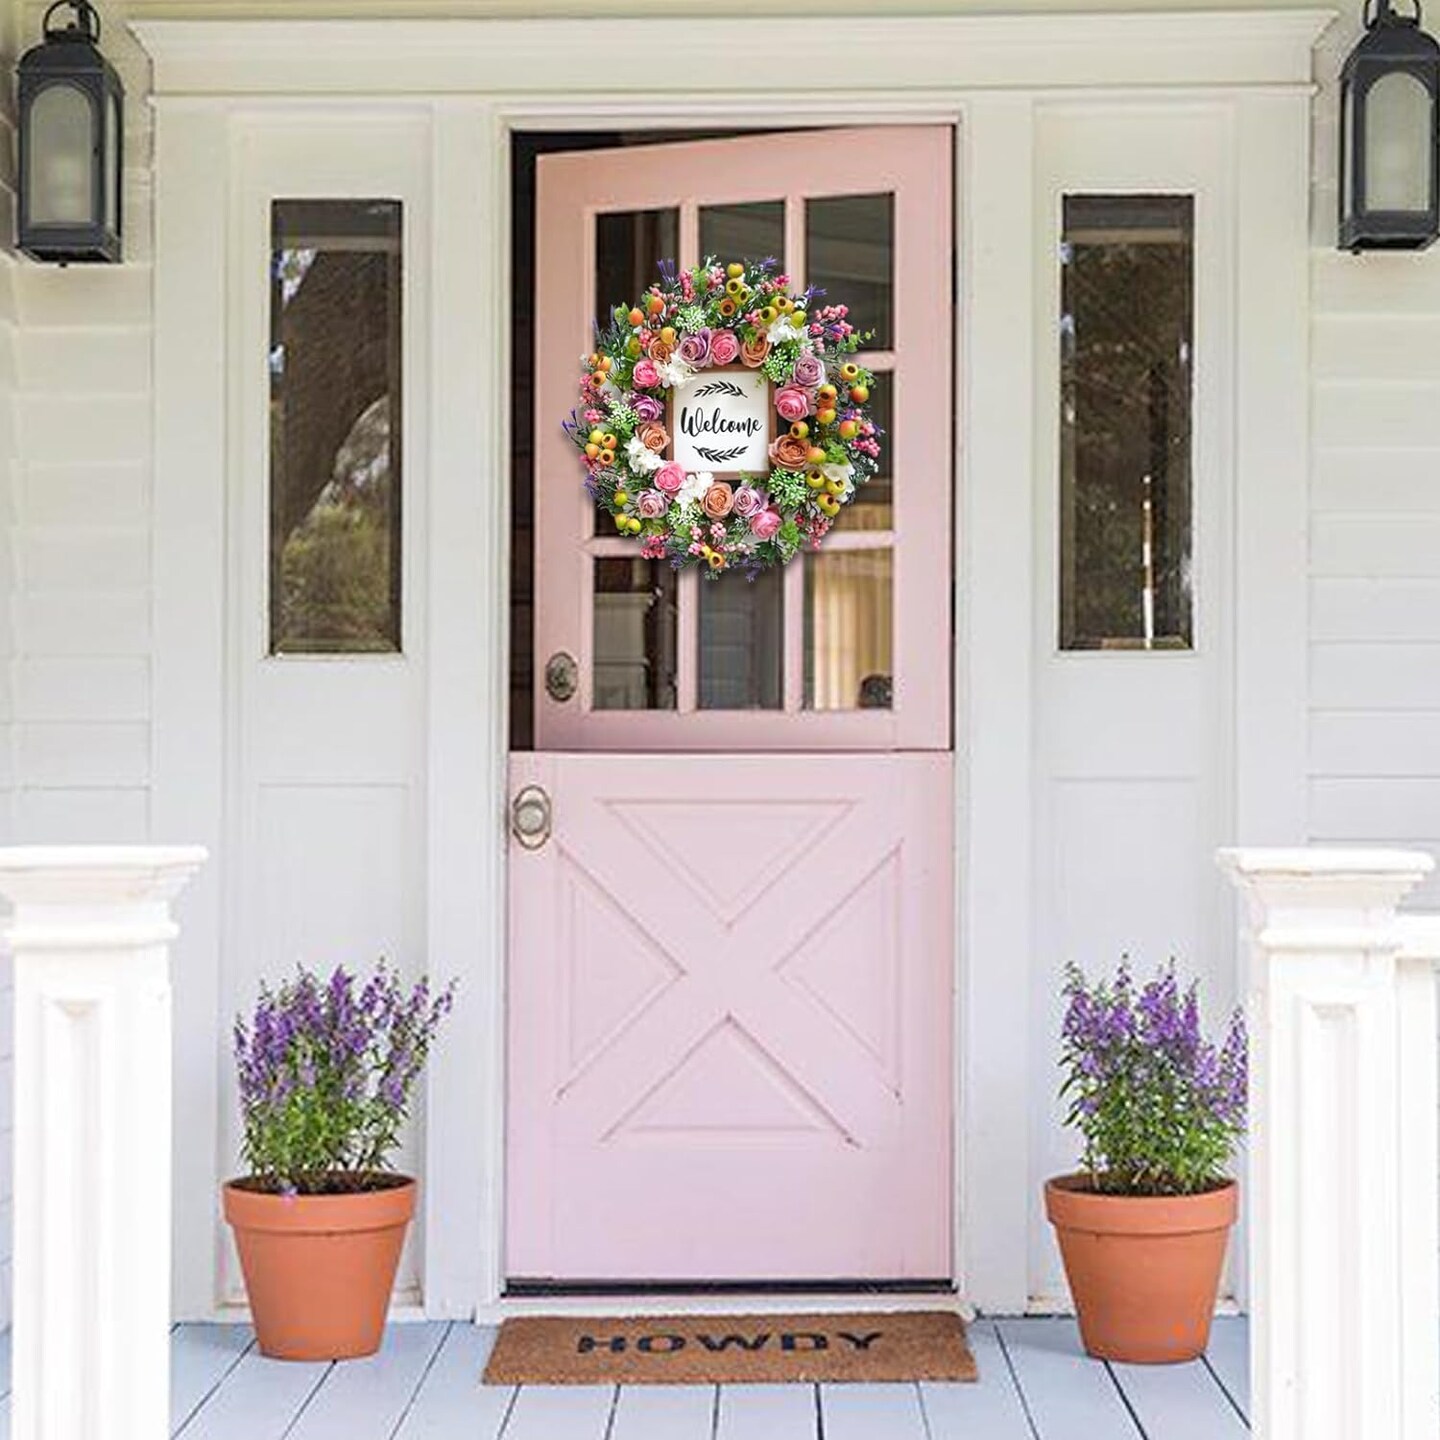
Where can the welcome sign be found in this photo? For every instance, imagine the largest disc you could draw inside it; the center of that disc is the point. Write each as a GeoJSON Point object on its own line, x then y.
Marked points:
{"type": "Point", "coordinates": [722, 420]}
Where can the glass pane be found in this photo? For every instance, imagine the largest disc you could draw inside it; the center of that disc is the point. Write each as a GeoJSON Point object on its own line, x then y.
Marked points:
{"type": "Point", "coordinates": [634, 651]}
{"type": "Point", "coordinates": [335, 426]}
{"type": "Point", "coordinates": [112, 164]}
{"type": "Point", "coordinates": [744, 232]}
{"type": "Point", "coordinates": [62, 157]}
{"type": "Point", "coordinates": [629, 244]}
{"type": "Point", "coordinates": [1126, 325]}
{"type": "Point", "coordinates": [873, 507]}
{"type": "Point", "coordinates": [848, 630]}
{"type": "Point", "coordinates": [1397, 144]}
{"type": "Point", "coordinates": [849, 254]}
{"type": "Point", "coordinates": [742, 635]}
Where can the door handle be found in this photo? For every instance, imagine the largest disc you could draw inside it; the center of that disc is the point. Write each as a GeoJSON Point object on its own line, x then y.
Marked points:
{"type": "Point", "coordinates": [531, 817]}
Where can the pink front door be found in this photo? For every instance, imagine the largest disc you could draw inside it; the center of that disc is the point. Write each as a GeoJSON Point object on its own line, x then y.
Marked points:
{"type": "Point", "coordinates": [731, 965]}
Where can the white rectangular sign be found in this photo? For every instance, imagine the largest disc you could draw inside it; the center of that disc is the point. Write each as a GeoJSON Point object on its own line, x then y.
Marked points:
{"type": "Point", "coordinates": [722, 421]}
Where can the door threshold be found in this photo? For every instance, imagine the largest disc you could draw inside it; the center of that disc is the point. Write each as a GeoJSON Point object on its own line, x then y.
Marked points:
{"type": "Point", "coordinates": [756, 1299]}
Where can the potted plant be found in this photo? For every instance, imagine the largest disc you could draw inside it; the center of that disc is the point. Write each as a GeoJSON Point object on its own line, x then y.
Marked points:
{"type": "Point", "coordinates": [1144, 1225]}
{"type": "Point", "coordinates": [326, 1070]}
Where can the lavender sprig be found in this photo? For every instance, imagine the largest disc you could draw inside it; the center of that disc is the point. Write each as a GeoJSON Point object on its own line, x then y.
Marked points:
{"type": "Point", "coordinates": [326, 1072]}
{"type": "Point", "coordinates": [1160, 1107]}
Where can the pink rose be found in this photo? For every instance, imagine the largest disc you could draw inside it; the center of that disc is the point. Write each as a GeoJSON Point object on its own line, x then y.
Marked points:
{"type": "Point", "coordinates": [724, 347]}
{"type": "Point", "coordinates": [652, 504]}
{"type": "Point", "coordinates": [646, 374]}
{"type": "Point", "coordinates": [748, 502]}
{"type": "Point", "coordinates": [670, 477]}
{"type": "Point", "coordinates": [765, 525]}
{"type": "Point", "coordinates": [809, 372]}
{"type": "Point", "coordinates": [792, 403]}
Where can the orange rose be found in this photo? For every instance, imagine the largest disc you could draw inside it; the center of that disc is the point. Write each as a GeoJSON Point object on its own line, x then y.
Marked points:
{"type": "Point", "coordinates": [790, 452]}
{"type": "Point", "coordinates": [653, 436]}
{"type": "Point", "coordinates": [719, 500]}
{"type": "Point", "coordinates": [753, 352]}
{"type": "Point", "coordinates": [659, 351]}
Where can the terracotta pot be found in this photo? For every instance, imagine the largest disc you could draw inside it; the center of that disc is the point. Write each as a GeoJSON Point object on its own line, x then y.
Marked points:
{"type": "Point", "coordinates": [1143, 1270]}
{"type": "Point", "coordinates": [319, 1269]}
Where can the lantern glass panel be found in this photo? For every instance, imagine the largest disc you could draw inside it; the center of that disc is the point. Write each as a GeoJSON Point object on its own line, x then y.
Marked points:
{"type": "Point", "coordinates": [112, 165]}
{"type": "Point", "coordinates": [1347, 148]}
{"type": "Point", "coordinates": [61, 160]}
{"type": "Point", "coordinates": [1397, 144]}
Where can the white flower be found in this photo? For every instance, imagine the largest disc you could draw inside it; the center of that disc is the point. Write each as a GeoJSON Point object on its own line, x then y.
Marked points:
{"type": "Point", "coordinates": [673, 372]}
{"type": "Point", "coordinates": [784, 329]}
{"type": "Point", "coordinates": [697, 482]}
{"type": "Point", "coordinates": [642, 458]}
{"type": "Point", "coordinates": [841, 473]}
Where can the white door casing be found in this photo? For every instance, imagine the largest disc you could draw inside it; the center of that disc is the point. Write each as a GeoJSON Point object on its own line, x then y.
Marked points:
{"type": "Point", "coordinates": [216, 79]}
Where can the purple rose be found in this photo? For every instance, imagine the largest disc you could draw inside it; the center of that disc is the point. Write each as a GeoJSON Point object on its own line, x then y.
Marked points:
{"type": "Point", "coordinates": [652, 504]}
{"type": "Point", "coordinates": [748, 501]}
{"type": "Point", "coordinates": [809, 372]}
{"type": "Point", "coordinates": [695, 349]}
{"type": "Point", "coordinates": [647, 407]}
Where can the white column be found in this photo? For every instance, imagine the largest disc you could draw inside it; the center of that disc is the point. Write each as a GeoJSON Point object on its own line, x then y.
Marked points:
{"type": "Point", "coordinates": [1344, 1329]}
{"type": "Point", "coordinates": [90, 931]}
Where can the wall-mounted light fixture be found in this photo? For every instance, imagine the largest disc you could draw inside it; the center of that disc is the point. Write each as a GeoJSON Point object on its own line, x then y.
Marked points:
{"type": "Point", "coordinates": [1390, 135]}
{"type": "Point", "coordinates": [72, 114]}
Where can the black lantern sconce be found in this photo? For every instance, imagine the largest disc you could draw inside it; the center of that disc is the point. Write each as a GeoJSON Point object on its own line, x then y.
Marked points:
{"type": "Point", "coordinates": [72, 113]}
{"type": "Point", "coordinates": [1390, 135]}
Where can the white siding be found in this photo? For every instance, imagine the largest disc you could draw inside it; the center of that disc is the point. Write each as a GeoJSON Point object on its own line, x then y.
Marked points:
{"type": "Point", "coordinates": [1374, 758]}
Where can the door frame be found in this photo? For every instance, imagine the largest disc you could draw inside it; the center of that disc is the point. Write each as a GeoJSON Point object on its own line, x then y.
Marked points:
{"type": "Point", "coordinates": [991, 76]}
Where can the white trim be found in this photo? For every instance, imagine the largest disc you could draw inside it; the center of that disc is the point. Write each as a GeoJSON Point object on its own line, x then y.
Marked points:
{"type": "Point", "coordinates": [212, 76]}
{"type": "Point", "coordinates": [863, 55]}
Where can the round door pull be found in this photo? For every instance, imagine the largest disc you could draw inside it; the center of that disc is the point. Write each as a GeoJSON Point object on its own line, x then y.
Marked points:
{"type": "Point", "coordinates": [562, 676]}
{"type": "Point", "coordinates": [530, 817]}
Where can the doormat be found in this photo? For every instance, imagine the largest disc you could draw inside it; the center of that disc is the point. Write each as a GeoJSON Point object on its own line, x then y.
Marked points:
{"type": "Point", "coordinates": [731, 1349]}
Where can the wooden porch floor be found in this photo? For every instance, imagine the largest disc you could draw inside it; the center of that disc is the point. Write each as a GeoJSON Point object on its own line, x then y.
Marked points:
{"type": "Point", "coordinates": [1035, 1385]}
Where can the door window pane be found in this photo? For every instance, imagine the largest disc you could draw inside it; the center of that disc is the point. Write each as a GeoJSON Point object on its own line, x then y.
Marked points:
{"type": "Point", "coordinates": [850, 255]}
{"type": "Point", "coordinates": [849, 625]}
{"type": "Point", "coordinates": [634, 649]}
{"type": "Point", "coordinates": [335, 426]}
{"type": "Point", "coordinates": [742, 642]}
{"type": "Point", "coordinates": [629, 244]}
{"type": "Point", "coordinates": [1126, 337]}
{"type": "Point", "coordinates": [744, 232]}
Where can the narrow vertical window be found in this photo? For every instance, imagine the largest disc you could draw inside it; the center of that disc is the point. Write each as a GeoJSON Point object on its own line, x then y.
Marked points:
{"type": "Point", "coordinates": [335, 426]}
{"type": "Point", "coordinates": [1126, 361]}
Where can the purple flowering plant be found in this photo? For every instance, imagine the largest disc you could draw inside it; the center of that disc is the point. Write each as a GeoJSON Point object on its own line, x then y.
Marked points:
{"type": "Point", "coordinates": [1159, 1107]}
{"type": "Point", "coordinates": [326, 1071]}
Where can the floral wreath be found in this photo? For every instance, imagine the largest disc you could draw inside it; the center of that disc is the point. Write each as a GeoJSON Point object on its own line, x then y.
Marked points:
{"type": "Point", "coordinates": [815, 446]}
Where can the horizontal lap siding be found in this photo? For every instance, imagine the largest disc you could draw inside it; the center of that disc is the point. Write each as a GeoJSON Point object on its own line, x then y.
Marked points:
{"type": "Point", "coordinates": [1374, 756]}
{"type": "Point", "coordinates": [75, 445]}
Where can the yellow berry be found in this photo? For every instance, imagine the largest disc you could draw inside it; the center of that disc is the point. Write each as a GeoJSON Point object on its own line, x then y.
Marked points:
{"type": "Point", "coordinates": [859, 393]}
{"type": "Point", "coordinates": [592, 450]}
{"type": "Point", "coordinates": [596, 436]}
{"type": "Point", "coordinates": [667, 335]}
{"type": "Point", "coordinates": [607, 457]}
{"type": "Point", "coordinates": [849, 371]}
{"type": "Point", "coordinates": [621, 497]}
{"type": "Point", "coordinates": [734, 271]}
{"type": "Point", "coordinates": [835, 487]}
{"type": "Point", "coordinates": [799, 429]}
{"type": "Point", "coordinates": [815, 479]}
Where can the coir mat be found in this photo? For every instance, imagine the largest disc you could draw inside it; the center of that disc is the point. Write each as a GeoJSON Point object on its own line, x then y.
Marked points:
{"type": "Point", "coordinates": [731, 1349]}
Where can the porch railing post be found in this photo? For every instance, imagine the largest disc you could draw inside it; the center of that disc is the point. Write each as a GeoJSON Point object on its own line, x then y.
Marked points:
{"type": "Point", "coordinates": [89, 932]}
{"type": "Point", "coordinates": [1344, 1329]}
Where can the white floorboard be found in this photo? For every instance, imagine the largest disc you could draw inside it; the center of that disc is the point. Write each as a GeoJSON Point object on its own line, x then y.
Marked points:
{"type": "Point", "coordinates": [1035, 1384]}
{"type": "Point", "coordinates": [664, 1412]}
{"type": "Point", "coordinates": [364, 1399]}
{"type": "Point", "coordinates": [767, 1412]}
{"type": "Point", "coordinates": [989, 1408]}
{"type": "Point", "coordinates": [1179, 1402]}
{"type": "Point", "coordinates": [452, 1403]}
{"type": "Point", "coordinates": [561, 1412]}
{"type": "Point", "coordinates": [1229, 1357]}
{"type": "Point", "coordinates": [866, 1412]}
{"type": "Point", "coordinates": [1068, 1394]}
{"type": "Point", "coordinates": [201, 1356]}
{"type": "Point", "coordinates": [260, 1400]}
